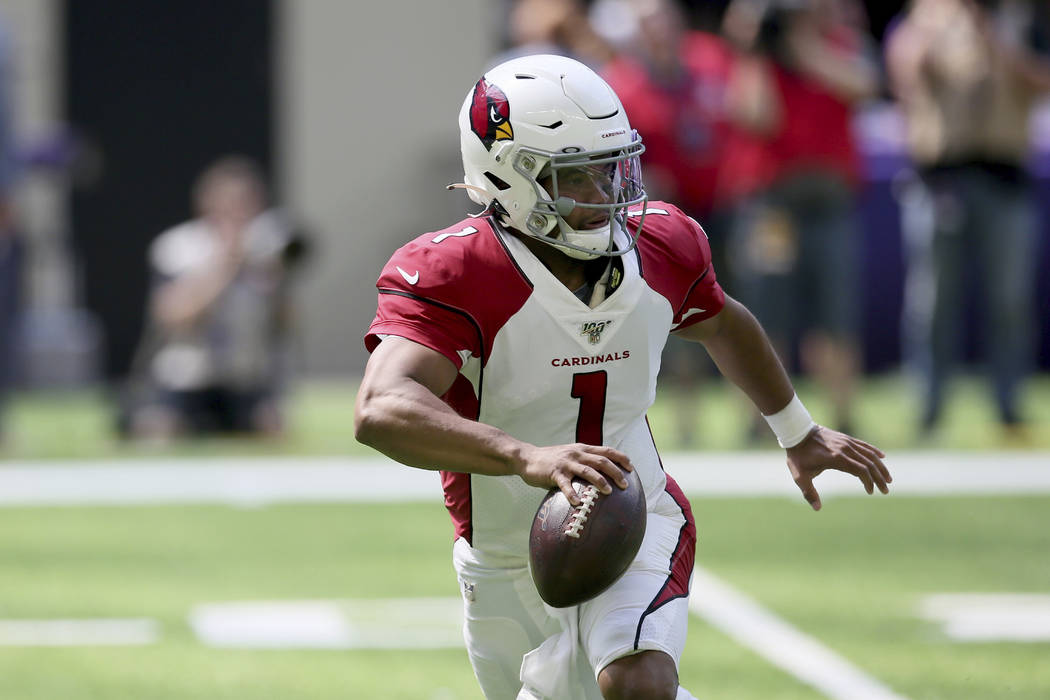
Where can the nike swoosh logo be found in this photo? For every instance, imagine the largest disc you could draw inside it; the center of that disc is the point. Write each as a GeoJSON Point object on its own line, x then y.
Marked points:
{"type": "Point", "coordinates": [411, 279]}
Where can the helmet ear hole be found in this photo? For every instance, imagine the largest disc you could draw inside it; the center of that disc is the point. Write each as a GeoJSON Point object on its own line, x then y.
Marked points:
{"type": "Point", "coordinates": [500, 184]}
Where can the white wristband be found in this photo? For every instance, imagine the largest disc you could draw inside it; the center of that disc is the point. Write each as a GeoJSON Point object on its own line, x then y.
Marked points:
{"type": "Point", "coordinates": [791, 424]}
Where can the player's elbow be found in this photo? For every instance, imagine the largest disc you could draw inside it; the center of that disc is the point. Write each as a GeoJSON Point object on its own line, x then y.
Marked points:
{"type": "Point", "coordinates": [368, 420]}
{"type": "Point", "coordinates": [367, 429]}
{"type": "Point", "coordinates": [378, 418]}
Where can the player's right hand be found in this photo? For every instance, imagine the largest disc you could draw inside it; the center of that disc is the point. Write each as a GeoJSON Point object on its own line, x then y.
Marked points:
{"type": "Point", "coordinates": [557, 465]}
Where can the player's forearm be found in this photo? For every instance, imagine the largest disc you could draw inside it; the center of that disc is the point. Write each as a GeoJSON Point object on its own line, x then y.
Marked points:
{"type": "Point", "coordinates": [745, 357]}
{"type": "Point", "coordinates": [411, 425]}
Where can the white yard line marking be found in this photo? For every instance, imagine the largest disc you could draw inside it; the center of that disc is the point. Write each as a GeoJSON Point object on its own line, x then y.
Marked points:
{"type": "Point", "coordinates": [990, 617]}
{"type": "Point", "coordinates": [260, 480]}
{"type": "Point", "coordinates": [778, 642]}
{"type": "Point", "coordinates": [926, 473]}
{"type": "Point", "coordinates": [61, 633]}
{"type": "Point", "coordinates": [243, 482]}
{"type": "Point", "coordinates": [387, 623]}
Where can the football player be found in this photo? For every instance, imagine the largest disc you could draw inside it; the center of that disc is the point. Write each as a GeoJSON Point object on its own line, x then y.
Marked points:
{"type": "Point", "coordinates": [519, 348]}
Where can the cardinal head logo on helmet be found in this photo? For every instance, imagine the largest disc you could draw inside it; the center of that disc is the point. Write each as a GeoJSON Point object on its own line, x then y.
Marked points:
{"type": "Point", "coordinates": [490, 114]}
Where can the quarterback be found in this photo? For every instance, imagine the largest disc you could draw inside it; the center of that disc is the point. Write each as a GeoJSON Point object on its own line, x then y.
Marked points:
{"type": "Point", "coordinates": [519, 349]}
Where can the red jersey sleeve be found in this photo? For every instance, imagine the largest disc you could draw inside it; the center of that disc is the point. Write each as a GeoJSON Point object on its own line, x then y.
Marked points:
{"type": "Point", "coordinates": [450, 290]}
{"type": "Point", "coordinates": [415, 302]}
{"type": "Point", "coordinates": [676, 262]}
{"type": "Point", "coordinates": [705, 297]}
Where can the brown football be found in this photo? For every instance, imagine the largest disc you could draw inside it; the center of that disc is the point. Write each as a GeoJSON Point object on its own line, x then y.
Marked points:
{"type": "Point", "coordinates": [576, 553]}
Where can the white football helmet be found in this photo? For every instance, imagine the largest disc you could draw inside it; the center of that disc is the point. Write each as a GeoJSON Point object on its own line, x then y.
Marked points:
{"type": "Point", "coordinates": [553, 120]}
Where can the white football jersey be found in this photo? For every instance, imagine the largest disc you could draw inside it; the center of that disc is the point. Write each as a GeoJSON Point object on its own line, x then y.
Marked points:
{"type": "Point", "coordinates": [536, 361]}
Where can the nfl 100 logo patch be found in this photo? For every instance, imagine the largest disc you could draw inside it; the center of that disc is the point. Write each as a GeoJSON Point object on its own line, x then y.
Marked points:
{"type": "Point", "coordinates": [593, 330]}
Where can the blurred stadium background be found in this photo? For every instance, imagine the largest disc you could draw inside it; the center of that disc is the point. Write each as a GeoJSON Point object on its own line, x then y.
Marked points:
{"type": "Point", "coordinates": [304, 568]}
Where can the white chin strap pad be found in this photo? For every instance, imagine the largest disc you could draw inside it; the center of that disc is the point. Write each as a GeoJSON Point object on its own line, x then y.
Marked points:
{"type": "Point", "coordinates": [595, 239]}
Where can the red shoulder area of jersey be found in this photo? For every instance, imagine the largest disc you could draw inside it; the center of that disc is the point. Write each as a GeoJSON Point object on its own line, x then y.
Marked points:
{"type": "Point", "coordinates": [676, 262]}
{"type": "Point", "coordinates": [462, 270]}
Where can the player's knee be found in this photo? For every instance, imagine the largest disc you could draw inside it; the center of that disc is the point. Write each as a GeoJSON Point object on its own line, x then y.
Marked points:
{"type": "Point", "coordinates": [650, 675]}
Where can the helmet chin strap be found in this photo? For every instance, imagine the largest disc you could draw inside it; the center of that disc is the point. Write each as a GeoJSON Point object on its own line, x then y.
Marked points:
{"type": "Point", "coordinates": [565, 206]}
{"type": "Point", "coordinates": [601, 287]}
{"type": "Point", "coordinates": [582, 252]}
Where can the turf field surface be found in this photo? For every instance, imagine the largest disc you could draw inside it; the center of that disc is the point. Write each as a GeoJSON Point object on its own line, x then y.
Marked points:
{"type": "Point", "coordinates": [852, 577]}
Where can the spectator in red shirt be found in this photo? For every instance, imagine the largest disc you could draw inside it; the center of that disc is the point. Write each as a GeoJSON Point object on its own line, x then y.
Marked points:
{"type": "Point", "coordinates": [673, 83]}
{"type": "Point", "coordinates": [804, 65]}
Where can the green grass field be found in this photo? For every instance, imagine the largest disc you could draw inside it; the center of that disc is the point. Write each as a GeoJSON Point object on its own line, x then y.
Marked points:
{"type": "Point", "coordinates": [850, 576]}
{"type": "Point", "coordinates": [79, 424]}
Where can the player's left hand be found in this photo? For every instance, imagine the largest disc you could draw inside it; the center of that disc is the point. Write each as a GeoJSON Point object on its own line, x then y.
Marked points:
{"type": "Point", "coordinates": [824, 449]}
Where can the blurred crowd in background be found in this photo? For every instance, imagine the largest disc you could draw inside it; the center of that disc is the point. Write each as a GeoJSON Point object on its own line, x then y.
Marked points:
{"type": "Point", "coordinates": [749, 118]}
{"type": "Point", "coordinates": [769, 121]}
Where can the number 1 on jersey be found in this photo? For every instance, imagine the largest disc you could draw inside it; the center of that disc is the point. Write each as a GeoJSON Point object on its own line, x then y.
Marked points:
{"type": "Point", "coordinates": [589, 388]}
